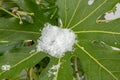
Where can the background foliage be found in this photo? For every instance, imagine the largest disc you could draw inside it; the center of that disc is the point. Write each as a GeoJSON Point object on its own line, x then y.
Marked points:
{"type": "Point", "coordinates": [93, 57]}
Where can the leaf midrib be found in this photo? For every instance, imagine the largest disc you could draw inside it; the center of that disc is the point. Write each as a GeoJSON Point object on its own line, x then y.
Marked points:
{"type": "Point", "coordinates": [28, 32]}
{"type": "Point", "coordinates": [88, 15]}
{"type": "Point", "coordinates": [74, 12]}
{"type": "Point", "coordinates": [23, 60]}
{"type": "Point", "coordinates": [97, 31]}
{"type": "Point", "coordinates": [97, 62]}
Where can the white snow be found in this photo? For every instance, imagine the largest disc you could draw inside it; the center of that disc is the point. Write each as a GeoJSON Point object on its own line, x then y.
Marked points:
{"type": "Point", "coordinates": [115, 48]}
{"type": "Point", "coordinates": [32, 51]}
{"type": "Point", "coordinates": [90, 2]}
{"type": "Point", "coordinates": [56, 41]}
{"type": "Point", "coordinates": [113, 15]}
{"type": "Point", "coordinates": [37, 2]}
{"type": "Point", "coordinates": [5, 67]}
{"type": "Point", "coordinates": [53, 70]}
{"type": "Point", "coordinates": [60, 22]}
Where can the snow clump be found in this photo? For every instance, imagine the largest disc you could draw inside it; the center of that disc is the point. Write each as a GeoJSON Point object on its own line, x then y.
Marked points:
{"type": "Point", "coordinates": [113, 15]}
{"type": "Point", "coordinates": [90, 2]}
{"type": "Point", "coordinates": [53, 70]}
{"type": "Point", "coordinates": [5, 67]}
{"type": "Point", "coordinates": [56, 41]}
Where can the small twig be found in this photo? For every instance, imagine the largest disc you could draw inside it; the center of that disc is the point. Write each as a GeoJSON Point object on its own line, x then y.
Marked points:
{"type": "Point", "coordinates": [31, 74]}
{"type": "Point", "coordinates": [20, 19]}
{"type": "Point", "coordinates": [100, 21]}
{"type": "Point", "coordinates": [4, 41]}
{"type": "Point", "coordinates": [1, 2]}
{"type": "Point", "coordinates": [9, 12]}
{"type": "Point", "coordinates": [76, 68]}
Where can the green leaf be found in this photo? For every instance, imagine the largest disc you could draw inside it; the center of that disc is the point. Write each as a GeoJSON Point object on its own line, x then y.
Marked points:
{"type": "Point", "coordinates": [10, 27]}
{"type": "Point", "coordinates": [98, 47]}
{"type": "Point", "coordinates": [64, 72]}
{"type": "Point", "coordinates": [18, 59]}
{"type": "Point", "coordinates": [18, 56]}
{"type": "Point", "coordinates": [95, 40]}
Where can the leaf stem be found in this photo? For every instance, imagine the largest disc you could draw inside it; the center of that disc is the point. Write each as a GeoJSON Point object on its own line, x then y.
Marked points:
{"type": "Point", "coordinates": [101, 21]}
{"type": "Point", "coordinates": [20, 19]}
{"type": "Point", "coordinates": [98, 31]}
{"type": "Point", "coordinates": [31, 74]}
{"type": "Point", "coordinates": [57, 69]}
{"type": "Point", "coordinates": [76, 68]}
{"type": "Point", "coordinates": [4, 41]}
{"type": "Point", "coordinates": [9, 12]}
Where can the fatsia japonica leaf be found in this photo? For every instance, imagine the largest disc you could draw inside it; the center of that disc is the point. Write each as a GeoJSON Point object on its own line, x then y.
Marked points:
{"type": "Point", "coordinates": [97, 51]}
{"type": "Point", "coordinates": [13, 56]}
{"type": "Point", "coordinates": [64, 72]}
{"type": "Point", "coordinates": [18, 57]}
{"type": "Point", "coordinates": [10, 27]}
{"type": "Point", "coordinates": [98, 43]}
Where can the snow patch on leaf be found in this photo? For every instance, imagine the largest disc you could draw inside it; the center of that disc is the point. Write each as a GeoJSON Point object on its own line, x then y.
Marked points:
{"type": "Point", "coordinates": [90, 2]}
{"type": "Point", "coordinates": [56, 41]}
{"type": "Point", "coordinates": [115, 48]}
{"type": "Point", "coordinates": [32, 51]}
{"type": "Point", "coordinates": [5, 67]}
{"type": "Point", "coordinates": [37, 2]}
{"type": "Point", "coordinates": [113, 15]}
{"type": "Point", "coordinates": [53, 70]}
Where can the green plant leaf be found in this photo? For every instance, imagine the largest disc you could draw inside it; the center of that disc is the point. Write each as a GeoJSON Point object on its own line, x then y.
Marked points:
{"type": "Point", "coordinates": [19, 57]}
{"type": "Point", "coordinates": [64, 72]}
{"type": "Point", "coordinates": [95, 40]}
{"type": "Point", "coordinates": [97, 49]}
{"type": "Point", "coordinates": [10, 27]}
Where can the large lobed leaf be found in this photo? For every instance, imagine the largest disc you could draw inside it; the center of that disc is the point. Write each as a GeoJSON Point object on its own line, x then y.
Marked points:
{"type": "Point", "coordinates": [95, 40]}
{"type": "Point", "coordinates": [98, 59]}
{"type": "Point", "coordinates": [10, 27]}
{"type": "Point", "coordinates": [12, 33]}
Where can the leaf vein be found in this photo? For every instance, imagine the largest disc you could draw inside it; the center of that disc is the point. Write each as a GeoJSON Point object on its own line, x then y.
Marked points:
{"type": "Point", "coordinates": [96, 31]}
{"type": "Point", "coordinates": [65, 13]}
{"type": "Point", "coordinates": [19, 31]}
{"type": "Point", "coordinates": [94, 59]}
{"type": "Point", "coordinates": [88, 15]}
{"type": "Point", "coordinates": [74, 13]}
{"type": "Point", "coordinates": [21, 62]}
{"type": "Point", "coordinates": [58, 69]}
